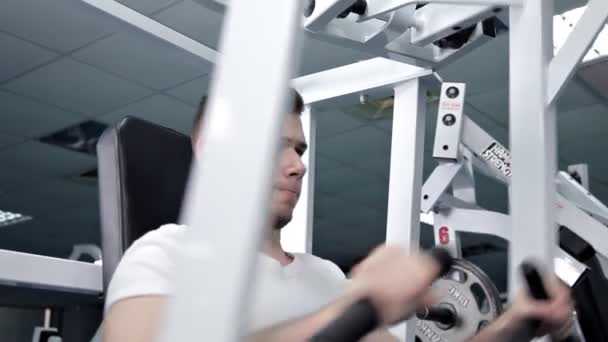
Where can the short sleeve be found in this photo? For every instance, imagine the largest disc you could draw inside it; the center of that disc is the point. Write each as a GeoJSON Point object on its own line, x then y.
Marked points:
{"type": "Point", "coordinates": [146, 267]}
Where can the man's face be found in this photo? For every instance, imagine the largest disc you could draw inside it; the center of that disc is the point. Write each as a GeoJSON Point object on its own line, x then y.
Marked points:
{"type": "Point", "coordinates": [287, 183]}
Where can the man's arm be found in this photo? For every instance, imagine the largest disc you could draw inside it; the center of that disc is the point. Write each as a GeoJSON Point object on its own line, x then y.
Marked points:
{"type": "Point", "coordinates": [304, 328]}
{"type": "Point", "coordinates": [395, 281]}
{"type": "Point", "coordinates": [134, 319]}
{"type": "Point", "coordinates": [554, 314]}
{"type": "Point", "coordinates": [137, 320]}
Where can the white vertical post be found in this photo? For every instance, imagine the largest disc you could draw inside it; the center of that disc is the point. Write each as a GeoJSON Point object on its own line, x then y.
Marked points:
{"type": "Point", "coordinates": [446, 236]}
{"type": "Point", "coordinates": [533, 140]}
{"type": "Point", "coordinates": [407, 151]}
{"type": "Point", "coordinates": [296, 237]}
{"type": "Point", "coordinates": [227, 210]}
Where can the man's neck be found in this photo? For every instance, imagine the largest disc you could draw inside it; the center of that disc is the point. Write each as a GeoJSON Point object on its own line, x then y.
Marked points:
{"type": "Point", "coordinates": [272, 248]}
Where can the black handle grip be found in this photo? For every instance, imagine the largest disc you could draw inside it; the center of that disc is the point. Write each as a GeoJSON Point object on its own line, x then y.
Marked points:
{"type": "Point", "coordinates": [539, 292]}
{"type": "Point", "coordinates": [437, 314]}
{"type": "Point", "coordinates": [443, 258]}
{"type": "Point", "coordinates": [361, 318]}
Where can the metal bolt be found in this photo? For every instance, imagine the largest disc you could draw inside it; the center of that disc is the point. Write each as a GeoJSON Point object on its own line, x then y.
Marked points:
{"type": "Point", "coordinates": [452, 92]}
{"type": "Point", "coordinates": [449, 119]}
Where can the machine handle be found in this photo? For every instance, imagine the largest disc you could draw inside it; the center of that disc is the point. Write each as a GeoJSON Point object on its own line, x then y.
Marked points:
{"type": "Point", "coordinates": [361, 318]}
{"type": "Point", "coordinates": [539, 292]}
{"type": "Point", "coordinates": [441, 315]}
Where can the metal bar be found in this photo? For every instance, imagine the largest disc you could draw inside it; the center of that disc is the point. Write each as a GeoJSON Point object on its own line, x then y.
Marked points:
{"type": "Point", "coordinates": [37, 271]}
{"type": "Point", "coordinates": [477, 221]}
{"type": "Point", "coordinates": [437, 21]}
{"type": "Point", "coordinates": [446, 236]}
{"type": "Point", "coordinates": [437, 184]}
{"type": "Point", "coordinates": [154, 28]}
{"type": "Point", "coordinates": [324, 12]}
{"type": "Point", "coordinates": [564, 65]}
{"type": "Point", "coordinates": [498, 224]}
{"type": "Point", "coordinates": [377, 8]}
{"type": "Point", "coordinates": [352, 78]}
{"type": "Point", "coordinates": [448, 130]}
{"type": "Point", "coordinates": [407, 153]}
{"type": "Point", "coordinates": [297, 235]}
{"type": "Point", "coordinates": [236, 206]}
{"type": "Point", "coordinates": [463, 186]}
{"type": "Point", "coordinates": [585, 226]}
{"type": "Point", "coordinates": [582, 172]}
{"type": "Point", "coordinates": [576, 194]}
{"type": "Point", "coordinates": [533, 140]}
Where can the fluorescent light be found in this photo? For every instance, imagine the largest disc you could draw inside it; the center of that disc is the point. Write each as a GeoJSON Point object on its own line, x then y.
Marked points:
{"type": "Point", "coordinates": [563, 24]}
{"type": "Point", "coordinates": [8, 218]}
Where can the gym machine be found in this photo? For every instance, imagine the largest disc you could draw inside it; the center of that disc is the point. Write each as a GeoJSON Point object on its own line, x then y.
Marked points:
{"type": "Point", "coordinates": [410, 39]}
{"type": "Point", "coordinates": [535, 77]}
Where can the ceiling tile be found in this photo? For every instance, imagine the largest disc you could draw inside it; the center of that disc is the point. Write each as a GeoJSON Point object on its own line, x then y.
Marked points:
{"type": "Point", "coordinates": [483, 69]}
{"type": "Point", "coordinates": [386, 124]}
{"type": "Point", "coordinates": [328, 206]}
{"type": "Point", "coordinates": [7, 140]}
{"type": "Point", "coordinates": [13, 178]}
{"type": "Point", "coordinates": [575, 96]}
{"type": "Point", "coordinates": [44, 160]}
{"type": "Point", "coordinates": [75, 225]}
{"type": "Point", "coordinates": [194, 21]}
{"type": "Point", "coordinates": [61, 25]}
{"type": "Point", "coordinates": [27, 118]}
{"type": "Point", "coordinates": [50, 198]}
{"type": "Point", "coordinates": [576, 126]}
{"type": "Point", "coordinates": [491, 194]}
{"type": "Point", "coordinates": [324, 164]}
{"type": "Point", "coordinates": [160, 109]}
{"type": "Point", "coordinates": [160, 67]}
{"type": "Point", "coordinates": [333, 122]}
{"type": "Point", "coordinates": [147, 6]}
{"type": "Point", "coordinates": [494, 128]}
{"type": "Point", "coordinates": [599, 190]}
{"type": "Point", "coordinates": [377, 165]}
{"type": "Point", "coordinates": [494, 103]}
{"type": "Point", "coordinates": [192, 91]}
{"type": "Point", "coordinates": [19, 56]}
{"type": "Point", "coordinates": [372, 194]}
{"type": "Point", "coordinates": [339, 179]}
{"type": "Point", "coordinates": [363, 142]}
{"type": "Point", "coordinates": [319, 56]}
{"type": "Point", "coordinates": [590, 150]}
{"type": "Point", "coordinates": [77, 87]}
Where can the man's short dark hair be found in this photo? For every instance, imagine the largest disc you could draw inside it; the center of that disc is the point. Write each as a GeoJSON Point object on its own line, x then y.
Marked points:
{"type": "Point", "coordinates": [297, 107]}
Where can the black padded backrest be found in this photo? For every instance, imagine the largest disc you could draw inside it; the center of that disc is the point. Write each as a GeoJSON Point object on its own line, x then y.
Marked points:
{"type": "Point", "coordinates": [143, 170]}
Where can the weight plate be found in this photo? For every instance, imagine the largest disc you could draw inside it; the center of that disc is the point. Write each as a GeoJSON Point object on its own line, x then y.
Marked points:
{"type": "Point", "coordinates": [471, 294]}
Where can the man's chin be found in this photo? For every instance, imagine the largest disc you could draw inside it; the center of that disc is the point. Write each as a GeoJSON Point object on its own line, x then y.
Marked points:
{"type": "Point", "coordinates": [281, 221]}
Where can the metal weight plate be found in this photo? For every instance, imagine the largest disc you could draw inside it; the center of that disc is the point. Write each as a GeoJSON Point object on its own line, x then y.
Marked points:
{"type": "Point", "coordinates": [468, 291]}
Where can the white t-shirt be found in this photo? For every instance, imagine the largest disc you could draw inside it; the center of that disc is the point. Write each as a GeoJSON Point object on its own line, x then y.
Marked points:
{"type": "Point", "coordinates": [281, 292]}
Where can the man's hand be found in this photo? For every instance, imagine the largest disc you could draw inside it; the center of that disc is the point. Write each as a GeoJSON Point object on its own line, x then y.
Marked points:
{"type": "Point", "coordinates": [554, 314]}
{"type": "Point", "coordinates": [396, 281]}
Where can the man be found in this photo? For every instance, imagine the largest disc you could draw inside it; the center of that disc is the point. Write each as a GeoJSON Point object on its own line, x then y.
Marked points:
{"type": "Point", "coordinates": [296, 294]}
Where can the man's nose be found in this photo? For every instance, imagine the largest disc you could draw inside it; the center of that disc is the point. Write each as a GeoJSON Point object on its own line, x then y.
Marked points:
{"type": "Point", "coordinates": [296, 167]}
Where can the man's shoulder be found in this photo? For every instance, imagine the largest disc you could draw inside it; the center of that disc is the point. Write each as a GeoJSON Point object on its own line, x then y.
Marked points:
{"type": "Point", "coordinates": [146, 266]}
{"type": "Point", "coordinates": [165, 236]}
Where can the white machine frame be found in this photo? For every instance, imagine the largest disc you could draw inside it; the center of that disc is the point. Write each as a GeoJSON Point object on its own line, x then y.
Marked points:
{"type": "Point", "coordinates": [576, 207]}
{"type": "Point", "coordinates": [398, 35]}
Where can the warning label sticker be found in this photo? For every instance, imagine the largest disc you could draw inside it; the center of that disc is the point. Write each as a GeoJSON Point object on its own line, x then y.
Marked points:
{"type": "Point", "coordinates": [499, 157]}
